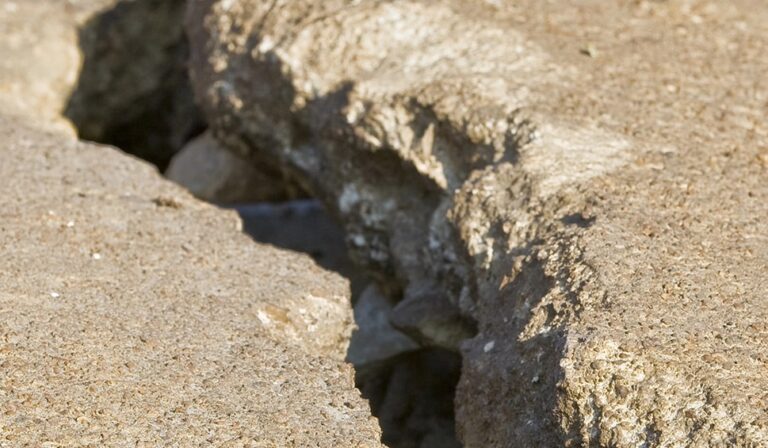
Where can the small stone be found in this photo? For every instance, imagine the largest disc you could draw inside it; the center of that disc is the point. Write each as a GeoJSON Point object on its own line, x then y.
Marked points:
{"type": "Point", "coordinates": [589, 50]}
{"type": "Point", "coordinates": [376, 339]}
{"type": "Point", "coordinates": [216, 175]}
{"type": "Point", "coordinates": [489, 346]}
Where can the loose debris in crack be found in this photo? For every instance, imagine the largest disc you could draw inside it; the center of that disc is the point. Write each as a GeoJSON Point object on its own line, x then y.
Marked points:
{"type": "Point", "coordinates": [410, 388]}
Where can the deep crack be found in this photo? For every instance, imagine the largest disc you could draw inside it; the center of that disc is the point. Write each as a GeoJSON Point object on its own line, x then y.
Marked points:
{"type": "Point", "coordinates": [134, 93]}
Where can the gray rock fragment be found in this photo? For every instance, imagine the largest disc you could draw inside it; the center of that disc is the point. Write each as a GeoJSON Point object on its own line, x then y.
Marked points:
{"type": "Point", "coordinates": [375, 339]}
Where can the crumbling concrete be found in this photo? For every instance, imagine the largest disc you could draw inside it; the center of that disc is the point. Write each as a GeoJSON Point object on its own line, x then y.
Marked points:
{"type": "Point", "coordinates": [585, 181]}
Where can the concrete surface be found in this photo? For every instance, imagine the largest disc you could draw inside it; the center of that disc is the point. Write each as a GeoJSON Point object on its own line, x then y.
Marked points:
{"type": "Point", "coordinates": [135, 315]}
{"type": "Point", "coordinates": [585, 180]}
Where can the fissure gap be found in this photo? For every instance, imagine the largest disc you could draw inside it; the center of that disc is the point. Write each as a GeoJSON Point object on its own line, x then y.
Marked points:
{"type": "Point", "coordinates": [134, 93]}
{"type": "Point", "coordinates": [133, 90]}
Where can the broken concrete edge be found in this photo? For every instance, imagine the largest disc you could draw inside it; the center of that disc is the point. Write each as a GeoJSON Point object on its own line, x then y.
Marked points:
{"type": "Point", "coordinates": [233, 317]}
{"type": "Point", "coordinates": [164, 194]}
{"type": "Point", "coordinates": [383, 215]}
{"type": "Point", "coordinates": [478, 183]}
{"type": "Point", "coordinates": [366, 204]}
{"type": "Point", "coordinates": [380, 211]}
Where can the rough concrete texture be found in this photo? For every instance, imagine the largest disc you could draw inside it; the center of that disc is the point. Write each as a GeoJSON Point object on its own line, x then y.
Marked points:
{"type": "Point", "coordinates": [108, 48]}
{"type": "Point", "coordinates": [216, 175]}
{"type": "Point", "coordinates": [135, 315]}
{"type": "Point", "coordinates": [585, 179]}
{"type": "Point", "coordinates": [38, 64]}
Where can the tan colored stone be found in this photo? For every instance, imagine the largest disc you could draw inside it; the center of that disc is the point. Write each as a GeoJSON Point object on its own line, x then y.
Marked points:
{"type": "Point", "coordinates": [216, 175]}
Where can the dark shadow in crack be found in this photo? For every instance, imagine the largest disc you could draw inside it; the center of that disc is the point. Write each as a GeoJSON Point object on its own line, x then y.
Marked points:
{"type": "Point", "coordinates": [411, 393]}
{"type": "Point", "coordinates": [509, 371]}
{"type": "Point", "coordinates": [302, 226]}
{"type": "Point", "coordinates": [133, 91]}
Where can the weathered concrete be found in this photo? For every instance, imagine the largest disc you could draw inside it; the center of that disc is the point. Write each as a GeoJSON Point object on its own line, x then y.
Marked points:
{"type": "Point", "coordinates": [135, 315]}
{"type": "Point", "coordinates": [585, 180]}
{"type": "Point", "coordinates": [38, 64]}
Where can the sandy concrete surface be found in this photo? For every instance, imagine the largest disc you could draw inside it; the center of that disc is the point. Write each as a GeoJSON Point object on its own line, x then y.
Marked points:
{"type": "Point", "coordinates": [135, 315]}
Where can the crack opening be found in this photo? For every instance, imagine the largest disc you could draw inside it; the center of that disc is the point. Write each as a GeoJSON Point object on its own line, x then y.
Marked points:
{"type": "Point", "coordinates": [410, 387]}
{"type": "Point", "coordinates": [133, 90]}
{"type": "Point", "coordinates": [134, 93]}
